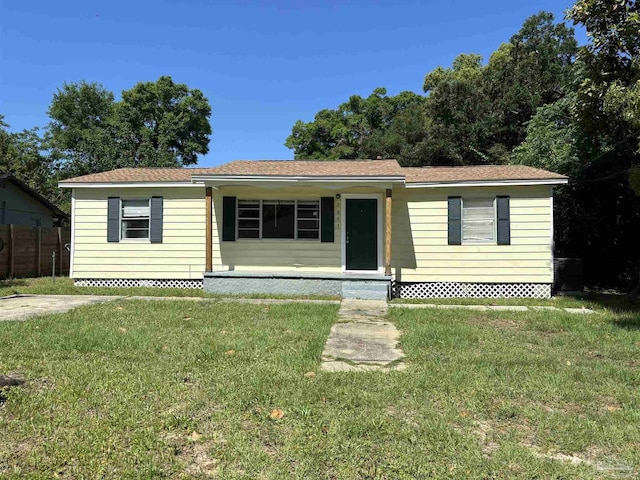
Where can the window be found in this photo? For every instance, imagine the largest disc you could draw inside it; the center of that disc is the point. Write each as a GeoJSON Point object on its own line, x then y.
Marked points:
{"type": "Point", "coordinates": [478, 220]}
{"type": "Point", "coordinates": [278, 218]}
{"type": "Point", "coordinates": [308, 227]}
{"type": "Point", "coordinates": [284, 219]}
{"type": "Point", "coordinates": [135, 219]}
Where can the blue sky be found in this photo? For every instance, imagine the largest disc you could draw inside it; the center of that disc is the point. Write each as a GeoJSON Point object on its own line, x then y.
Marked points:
{"type": "Point", "coordinates": [262, 64]}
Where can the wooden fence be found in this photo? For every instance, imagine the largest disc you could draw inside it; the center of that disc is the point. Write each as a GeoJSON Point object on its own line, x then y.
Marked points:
{"type": "Point", "coordinates": [28, 251]}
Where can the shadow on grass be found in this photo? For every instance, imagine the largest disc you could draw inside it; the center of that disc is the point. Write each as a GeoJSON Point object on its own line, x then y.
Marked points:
{"type": "Point", "coordinates": [625, 309]}
{"type": "Point", "coordinates": [13, 282]}
{"type": "Point", "coordinates": [616, 303]}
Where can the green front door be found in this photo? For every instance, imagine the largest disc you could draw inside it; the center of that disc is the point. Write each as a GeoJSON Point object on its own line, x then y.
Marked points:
{"type": "Point", "coordinates": [361, 234]}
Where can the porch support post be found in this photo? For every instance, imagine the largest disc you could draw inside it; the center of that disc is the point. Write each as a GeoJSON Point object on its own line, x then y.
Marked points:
{"type": "Point", "coordinates": [387, 234]}
{"type": "Point", "coordinates": [209, 233]}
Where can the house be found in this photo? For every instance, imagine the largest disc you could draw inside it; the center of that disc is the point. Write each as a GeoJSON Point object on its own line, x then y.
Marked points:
{"type": "Point", "coordinates": [356, 228]}
{"type": "Point", "coordinates": [21, 205]}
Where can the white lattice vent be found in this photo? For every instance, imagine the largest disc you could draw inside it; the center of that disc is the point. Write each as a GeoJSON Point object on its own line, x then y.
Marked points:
{"type": "Point", "coordinates": [470, 290]}
{"type": "Point", "coordinates": [132, 282]}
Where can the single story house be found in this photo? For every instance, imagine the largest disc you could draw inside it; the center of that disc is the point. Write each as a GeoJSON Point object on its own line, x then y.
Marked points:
{"type": "Point", "coordinates": [22, 205]}
{"type": "Point", "coordinates": [356, 228]}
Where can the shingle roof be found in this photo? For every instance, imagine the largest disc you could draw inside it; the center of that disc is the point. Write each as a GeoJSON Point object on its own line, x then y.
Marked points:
{"type": "Point", "coordinates": [135, 175]}
{"type": "Point", "coordinates": [320, 168]}
{"type": "Point", "coordinates": [477, 173]}
{"type": "Point", "coordinates": [309, 168]}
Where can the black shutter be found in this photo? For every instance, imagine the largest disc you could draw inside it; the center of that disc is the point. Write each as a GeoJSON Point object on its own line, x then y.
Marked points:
{"type": "Point", "coordinates": [155, 220]}
{"type": "Point", "coordinates": [326, 219]}
{"type": "Point", "coordinates": [455, 220]}
{"type": "Point", "coordinates": [228, 219]}
{"type": "Point", "coordinates": [113, 219]}
{"type": "Point", "coordinates": [504, 221]}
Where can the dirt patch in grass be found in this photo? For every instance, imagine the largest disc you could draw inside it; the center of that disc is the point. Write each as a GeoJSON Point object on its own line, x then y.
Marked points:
{"type": "Point", "coordinates": [193, 453]}
{"type": "Point", "coordinates": [490, 432]}
{"type": "Point", "coordinates": [495, 322]}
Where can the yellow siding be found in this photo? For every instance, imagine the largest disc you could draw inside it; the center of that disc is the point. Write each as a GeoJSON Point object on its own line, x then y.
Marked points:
{"type": "Point", "coordinates": [420, 252]}
{"type": "Point", "coordinates": [280, 255]}
{"type": "Point", "coordinates": [180, 255]}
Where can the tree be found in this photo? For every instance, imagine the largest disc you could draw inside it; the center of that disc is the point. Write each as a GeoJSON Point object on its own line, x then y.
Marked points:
{"type": "Point", "coordinates": [21, 154]}
{"type": "Point", "coordinates": [459, 111]}
{"type": "Point", "coordinates": [361, 128]}
{"type": "Point", "coordinates": [80, 134]}
{"type": "Point", "coordinates": [161, 124]}
{"type": "Point", "coordinates": [481, 111]}
{"type": "Point", "coordinates": [532, 70]}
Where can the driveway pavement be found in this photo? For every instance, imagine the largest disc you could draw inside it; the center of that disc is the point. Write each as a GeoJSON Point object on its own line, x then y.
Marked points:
{"type": "Point", "coordinates": [21, 307]}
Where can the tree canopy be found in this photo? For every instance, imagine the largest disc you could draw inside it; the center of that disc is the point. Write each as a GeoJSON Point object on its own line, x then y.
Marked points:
{"type": "Point", "coordinates": [159, 124]}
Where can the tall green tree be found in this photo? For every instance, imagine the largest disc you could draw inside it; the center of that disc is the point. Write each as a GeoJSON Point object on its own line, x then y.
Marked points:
{"type": "Point", "coordinates": [480, 111]}
{"type": "Point", "coordinates": [81, 135]}
{"type": "Point", "coordinates": [22, 155]}
{"type": "Point", "coordinates": [162, 124]}
{"type": "Point", "coordinates": [361, 128]}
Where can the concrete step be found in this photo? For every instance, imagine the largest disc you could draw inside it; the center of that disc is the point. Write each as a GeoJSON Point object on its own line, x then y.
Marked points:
{"type": "Point", "coordinates": [365, 291]}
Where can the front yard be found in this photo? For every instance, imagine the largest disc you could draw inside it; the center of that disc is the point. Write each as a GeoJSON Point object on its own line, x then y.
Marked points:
{"type": "Point", "coordinates": [139, 389]}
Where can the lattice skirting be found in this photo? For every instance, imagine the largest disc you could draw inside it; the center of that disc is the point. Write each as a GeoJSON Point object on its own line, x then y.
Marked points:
{"type": "Point", "coordinates": [469, 290]}
{"type": "Point", "coordinates": [132, 282]}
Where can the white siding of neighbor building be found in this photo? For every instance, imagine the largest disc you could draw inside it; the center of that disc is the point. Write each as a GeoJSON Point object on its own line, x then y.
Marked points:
{"type": "Point", "coordinates": [420, 250]}
{"type": "Point", "coordinates": [181, 255]}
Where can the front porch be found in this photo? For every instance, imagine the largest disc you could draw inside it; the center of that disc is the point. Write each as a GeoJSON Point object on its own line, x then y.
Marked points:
{"type": "Point", "coordinates": [373, 286]}
{"type": "Point", "coordinates": [347, 255]}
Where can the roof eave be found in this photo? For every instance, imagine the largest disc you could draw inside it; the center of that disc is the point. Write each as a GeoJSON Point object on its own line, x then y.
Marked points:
{"type": "Point", "coordinates": [298, 179]}
{"type": "Point", "coordinates": [489, 183]}
{"type": "Point", "coordinates": [139, 184]}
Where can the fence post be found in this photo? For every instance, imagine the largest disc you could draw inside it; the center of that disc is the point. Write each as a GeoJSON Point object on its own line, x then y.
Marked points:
{"type": "Point", "coordinates": [12, 253]}
{"type": "Point", "coordinates": [53, 266]}
{"type": "Point", "coordinates": [59, 250]}
{"type": "Point", "coordinates": [39, 250]}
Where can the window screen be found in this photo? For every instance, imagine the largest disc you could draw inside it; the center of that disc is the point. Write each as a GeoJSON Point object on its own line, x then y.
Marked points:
{"type": "Point", "coordinates": [248, 218]}
{"type": "Point", "coordinates": [309, 219]}
{"type": "Point", "coordinates": [478, 221]}
{"type": "Point", "coordinates": [135, 219]}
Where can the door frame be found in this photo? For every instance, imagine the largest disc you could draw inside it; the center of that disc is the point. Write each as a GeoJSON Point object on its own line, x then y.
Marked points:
{"type": "Point", "coordinates": [343, 230]}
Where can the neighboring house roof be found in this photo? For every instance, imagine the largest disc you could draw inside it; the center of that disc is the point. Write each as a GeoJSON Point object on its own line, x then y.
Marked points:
{"type": "Point", "coordinates": [343, 169]}
{"type": "Point", "coordinates": [56, 212]}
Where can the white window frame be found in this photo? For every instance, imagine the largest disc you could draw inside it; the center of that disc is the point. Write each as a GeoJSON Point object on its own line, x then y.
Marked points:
{"type": "Point", "coordinates": [494, 240]}
{"type": "Point", "coordinates": [295, 220]}
{"type": "Point", "coordinates": [123, 239]}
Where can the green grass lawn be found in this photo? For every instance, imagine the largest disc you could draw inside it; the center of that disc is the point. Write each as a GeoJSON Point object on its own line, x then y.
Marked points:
{"type": "Point", "coordinates": [117, 391]}
{"type": "Point", "coordinates": [592, 300]}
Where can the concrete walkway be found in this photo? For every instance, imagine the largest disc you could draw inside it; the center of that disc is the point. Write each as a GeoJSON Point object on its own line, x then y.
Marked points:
{"type": "Point", "coordinates": [21, 307]}
{"type": "Point", "coordinates": [494, 308]}
{"type": "Point", "coordinates": [362, 339]}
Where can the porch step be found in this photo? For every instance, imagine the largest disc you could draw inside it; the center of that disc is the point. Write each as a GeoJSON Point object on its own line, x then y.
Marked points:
{"type": "Point", "coordinates": [367, 290]}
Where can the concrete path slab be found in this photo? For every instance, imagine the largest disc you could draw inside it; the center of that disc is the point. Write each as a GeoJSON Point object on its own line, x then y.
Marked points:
{"type": "Point", "coordinates": [508, 308]}
{"type": "Point", "coordinates": [580, 311]}
{"type": "Point", "coordinates": [22, 307]}
{"type": "Point", "coordinates": [497, 308]}
{"type": "Point", "coordinates": [362, 339]}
